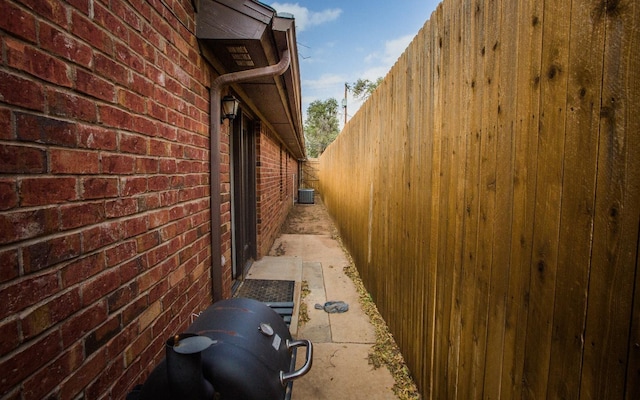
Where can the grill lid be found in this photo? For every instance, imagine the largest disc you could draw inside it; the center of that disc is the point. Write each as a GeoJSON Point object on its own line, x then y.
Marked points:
{"type": "Point", "coordinates": [240, 347]}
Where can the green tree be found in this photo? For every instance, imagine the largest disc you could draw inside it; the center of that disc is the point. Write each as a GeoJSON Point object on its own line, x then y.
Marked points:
{"type": "Point", "coordinates": [321, 126]}
{"type": "Point", "coordinates": [362, 88]}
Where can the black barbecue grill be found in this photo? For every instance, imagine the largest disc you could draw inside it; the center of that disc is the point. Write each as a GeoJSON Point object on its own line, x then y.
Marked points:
{"type": "Point", "coordinates": [236, 349]}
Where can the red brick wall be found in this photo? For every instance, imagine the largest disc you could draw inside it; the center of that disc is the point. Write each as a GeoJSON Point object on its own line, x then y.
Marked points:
{"type": "Point", "coordinates": [225, 209]}
{"type": "Point", "coordinates": [276, 187]}
{"type": "Point", "coordinates": [104, 219]}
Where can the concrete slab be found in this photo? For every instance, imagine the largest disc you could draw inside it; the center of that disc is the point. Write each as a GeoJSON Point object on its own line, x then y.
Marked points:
{"type": "Point", "coordinates": [342, 342]}
{"type": "Point", "coordinates": [284, 268]}
{"type": "Point", "coordinates": [352, 326]}
{"type": "Point", "coordinates": [321, 248]}
{"type": "Point", "coordinates": [312, 274]}
{"type": "Point", "coordinates": [341, 371]}
{"type": "Point", "coordinates": [317, 329]}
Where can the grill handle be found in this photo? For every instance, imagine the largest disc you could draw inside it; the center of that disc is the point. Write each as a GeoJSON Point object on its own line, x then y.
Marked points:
{"type": "Point", "coordinates": [285, 377]}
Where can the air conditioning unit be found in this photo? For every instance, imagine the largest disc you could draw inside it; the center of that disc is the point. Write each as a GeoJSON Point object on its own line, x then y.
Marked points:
{"type": "Point", "coordinates": [305, 196]}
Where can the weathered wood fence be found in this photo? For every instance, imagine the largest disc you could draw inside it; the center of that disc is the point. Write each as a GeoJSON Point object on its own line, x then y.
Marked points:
{"type": "Point", "coordinates": [489, 192]}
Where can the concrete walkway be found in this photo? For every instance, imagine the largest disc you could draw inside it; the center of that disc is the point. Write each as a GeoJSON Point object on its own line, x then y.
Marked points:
{"type": "Point", "coordinates": [341, 342]}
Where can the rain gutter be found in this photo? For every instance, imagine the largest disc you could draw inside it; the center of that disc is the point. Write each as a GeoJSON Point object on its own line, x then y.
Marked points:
{"type": "Point", "coordinates": [215, 98]}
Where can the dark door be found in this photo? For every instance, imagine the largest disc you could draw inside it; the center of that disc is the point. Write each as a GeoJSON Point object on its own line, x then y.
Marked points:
{"type": "Point", "coordinates": [243, 195]}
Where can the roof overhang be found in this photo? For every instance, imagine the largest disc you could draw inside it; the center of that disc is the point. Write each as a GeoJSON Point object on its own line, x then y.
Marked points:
{"type": "Point", "coordinates": [238, 35]}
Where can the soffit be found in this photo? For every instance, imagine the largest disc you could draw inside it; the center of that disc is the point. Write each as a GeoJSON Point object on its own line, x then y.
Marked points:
{"type": "Point", "coordinates": [237, 35]}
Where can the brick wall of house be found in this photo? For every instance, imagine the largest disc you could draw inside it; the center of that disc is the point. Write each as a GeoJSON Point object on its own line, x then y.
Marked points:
{"type": "Point", "coordinates": [225, 209]}
{"type": "Point", "coordinates": [277, 175]}
{"type": "Point", "coordinates": [104, 219]}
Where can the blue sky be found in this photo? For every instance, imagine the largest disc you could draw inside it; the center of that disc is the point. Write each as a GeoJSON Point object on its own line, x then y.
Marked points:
{"type": "Point", "coordinates": [341, 41]}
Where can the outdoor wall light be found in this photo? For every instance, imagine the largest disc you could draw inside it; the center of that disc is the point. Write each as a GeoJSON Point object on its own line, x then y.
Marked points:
{"type": "Point", "coordinates": [229, 107]}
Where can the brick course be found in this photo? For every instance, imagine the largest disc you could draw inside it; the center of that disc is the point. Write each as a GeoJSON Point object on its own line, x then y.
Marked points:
{"type": "Point", "coordinates": [104, 192]}
{"type": "Point", "coordinates": [276, 188]}
{"type": "Point", "coordinates": [90, 275]}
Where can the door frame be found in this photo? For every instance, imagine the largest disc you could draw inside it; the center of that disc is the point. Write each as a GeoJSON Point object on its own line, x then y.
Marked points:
{"type": "Point", "coordinates": [243, 195]}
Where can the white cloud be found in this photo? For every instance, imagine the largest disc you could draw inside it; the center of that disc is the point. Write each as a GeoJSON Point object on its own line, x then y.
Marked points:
{"type": "Point", "coordinates": [325, 87]}
{"type": "Point", "coordinates": [392, 50]}
{"type": "Point", "coordinates": [306, 18]}
{"type": "Point", "coordinates": [374, 73]}
{"type": "Point", "coordinates": [325, 81]}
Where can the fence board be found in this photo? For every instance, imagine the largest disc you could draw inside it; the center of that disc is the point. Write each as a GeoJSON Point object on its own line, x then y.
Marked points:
{"type": "Point", "coordinates": [489, 193]}
{"type": "Point", "coordinates": [459, 126]}
{"type": "Point", "coordinates": [427, 145]}
{"type": "Point", "coordinates": [632, 88]}
{"type": "Point", "coordinates": [578, 187]}
{"type": "Point", "coordinates": [466, 383]}
{"type": "Point", "coordinates": [487, 205]}
{"type": "Point", "coordinates": [551, 138]}
{"type": "Point", "coordinates": [528, 62]}
{"type": "Point", "coordinates": [617, 209]}
{"type": "Point", "coordinates": [504, 109]}
{"type": "Point", "coordinates": [423, 163]}
{"type": "Point", "coordinates": [447, 197]}
{"type": "Point", "coordinates": [632, 390]}
{"type": "Point", "coordinates": [414, 276]}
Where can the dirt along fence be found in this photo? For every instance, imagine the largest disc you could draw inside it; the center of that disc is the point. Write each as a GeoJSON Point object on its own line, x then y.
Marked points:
{"type": "Point", "coordinates": [489, 192]}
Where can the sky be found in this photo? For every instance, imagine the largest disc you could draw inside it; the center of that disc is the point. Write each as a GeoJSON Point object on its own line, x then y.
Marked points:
{"type": "Point", "coordinates": [342, 41]}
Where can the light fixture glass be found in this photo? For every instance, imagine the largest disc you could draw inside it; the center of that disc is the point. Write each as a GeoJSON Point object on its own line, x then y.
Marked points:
{"type": "Point", "coordinates": [229, 107]}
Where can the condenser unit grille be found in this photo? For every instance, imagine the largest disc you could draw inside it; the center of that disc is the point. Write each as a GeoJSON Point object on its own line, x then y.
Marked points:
{"type": "Point", "coordinates": [305, 196]}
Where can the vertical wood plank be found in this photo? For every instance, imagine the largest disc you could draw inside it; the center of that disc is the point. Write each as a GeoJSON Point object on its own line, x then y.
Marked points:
{"type": "Point", "coordinates": [413, 314]}
{"type": "Point", "coordinates": [505, 109]}
{"type": "Point", "coordinates": [632, 84]}
{"type": "Point", "coordinates": [584, 75]}
{"type": "Point", "coordinates": [422, 166]}
{"type": "Point", "coordinates": [632, 390]}
{"type": "Point", "coordinates": [427, 145]}
{"type": "Point", "coordinates": [408, 247]}
{"type": "Point", "coordinates": [447, 197]}
{"type": "Point", "coordinates": [472, 192]}
{"type": "Point", "coordinates": [436, 371]}
{"type": "Point", "coordinates": [617, 208]}
{"type": "Point", "coordinates": [529, 42]}
{"type": "Point", "coordinates": [461, 49]}
{"type": "Point", "coordinates": [487, 192]}
{"type": "Point", "coordinates": [557, 15]}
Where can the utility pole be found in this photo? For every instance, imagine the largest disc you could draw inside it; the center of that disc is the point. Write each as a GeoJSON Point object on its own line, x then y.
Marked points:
{"type": "Point", "coordinates": [344, 102]}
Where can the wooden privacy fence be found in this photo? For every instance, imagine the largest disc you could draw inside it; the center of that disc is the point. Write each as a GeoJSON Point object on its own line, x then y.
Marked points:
{"type": "Point", "coordinates": [489, 192]}
{"type": "Point", "coordinates": [310, 179]}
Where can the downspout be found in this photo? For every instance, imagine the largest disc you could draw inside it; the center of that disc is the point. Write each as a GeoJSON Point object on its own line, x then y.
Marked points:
{"type": "Point", "coordinates": [215, 98]}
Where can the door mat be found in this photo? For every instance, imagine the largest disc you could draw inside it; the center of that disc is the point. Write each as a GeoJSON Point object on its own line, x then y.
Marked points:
{"type": "Point", "coordinates": [267, 291]}
{"type": "Point", "coordinates": [276, 294]}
